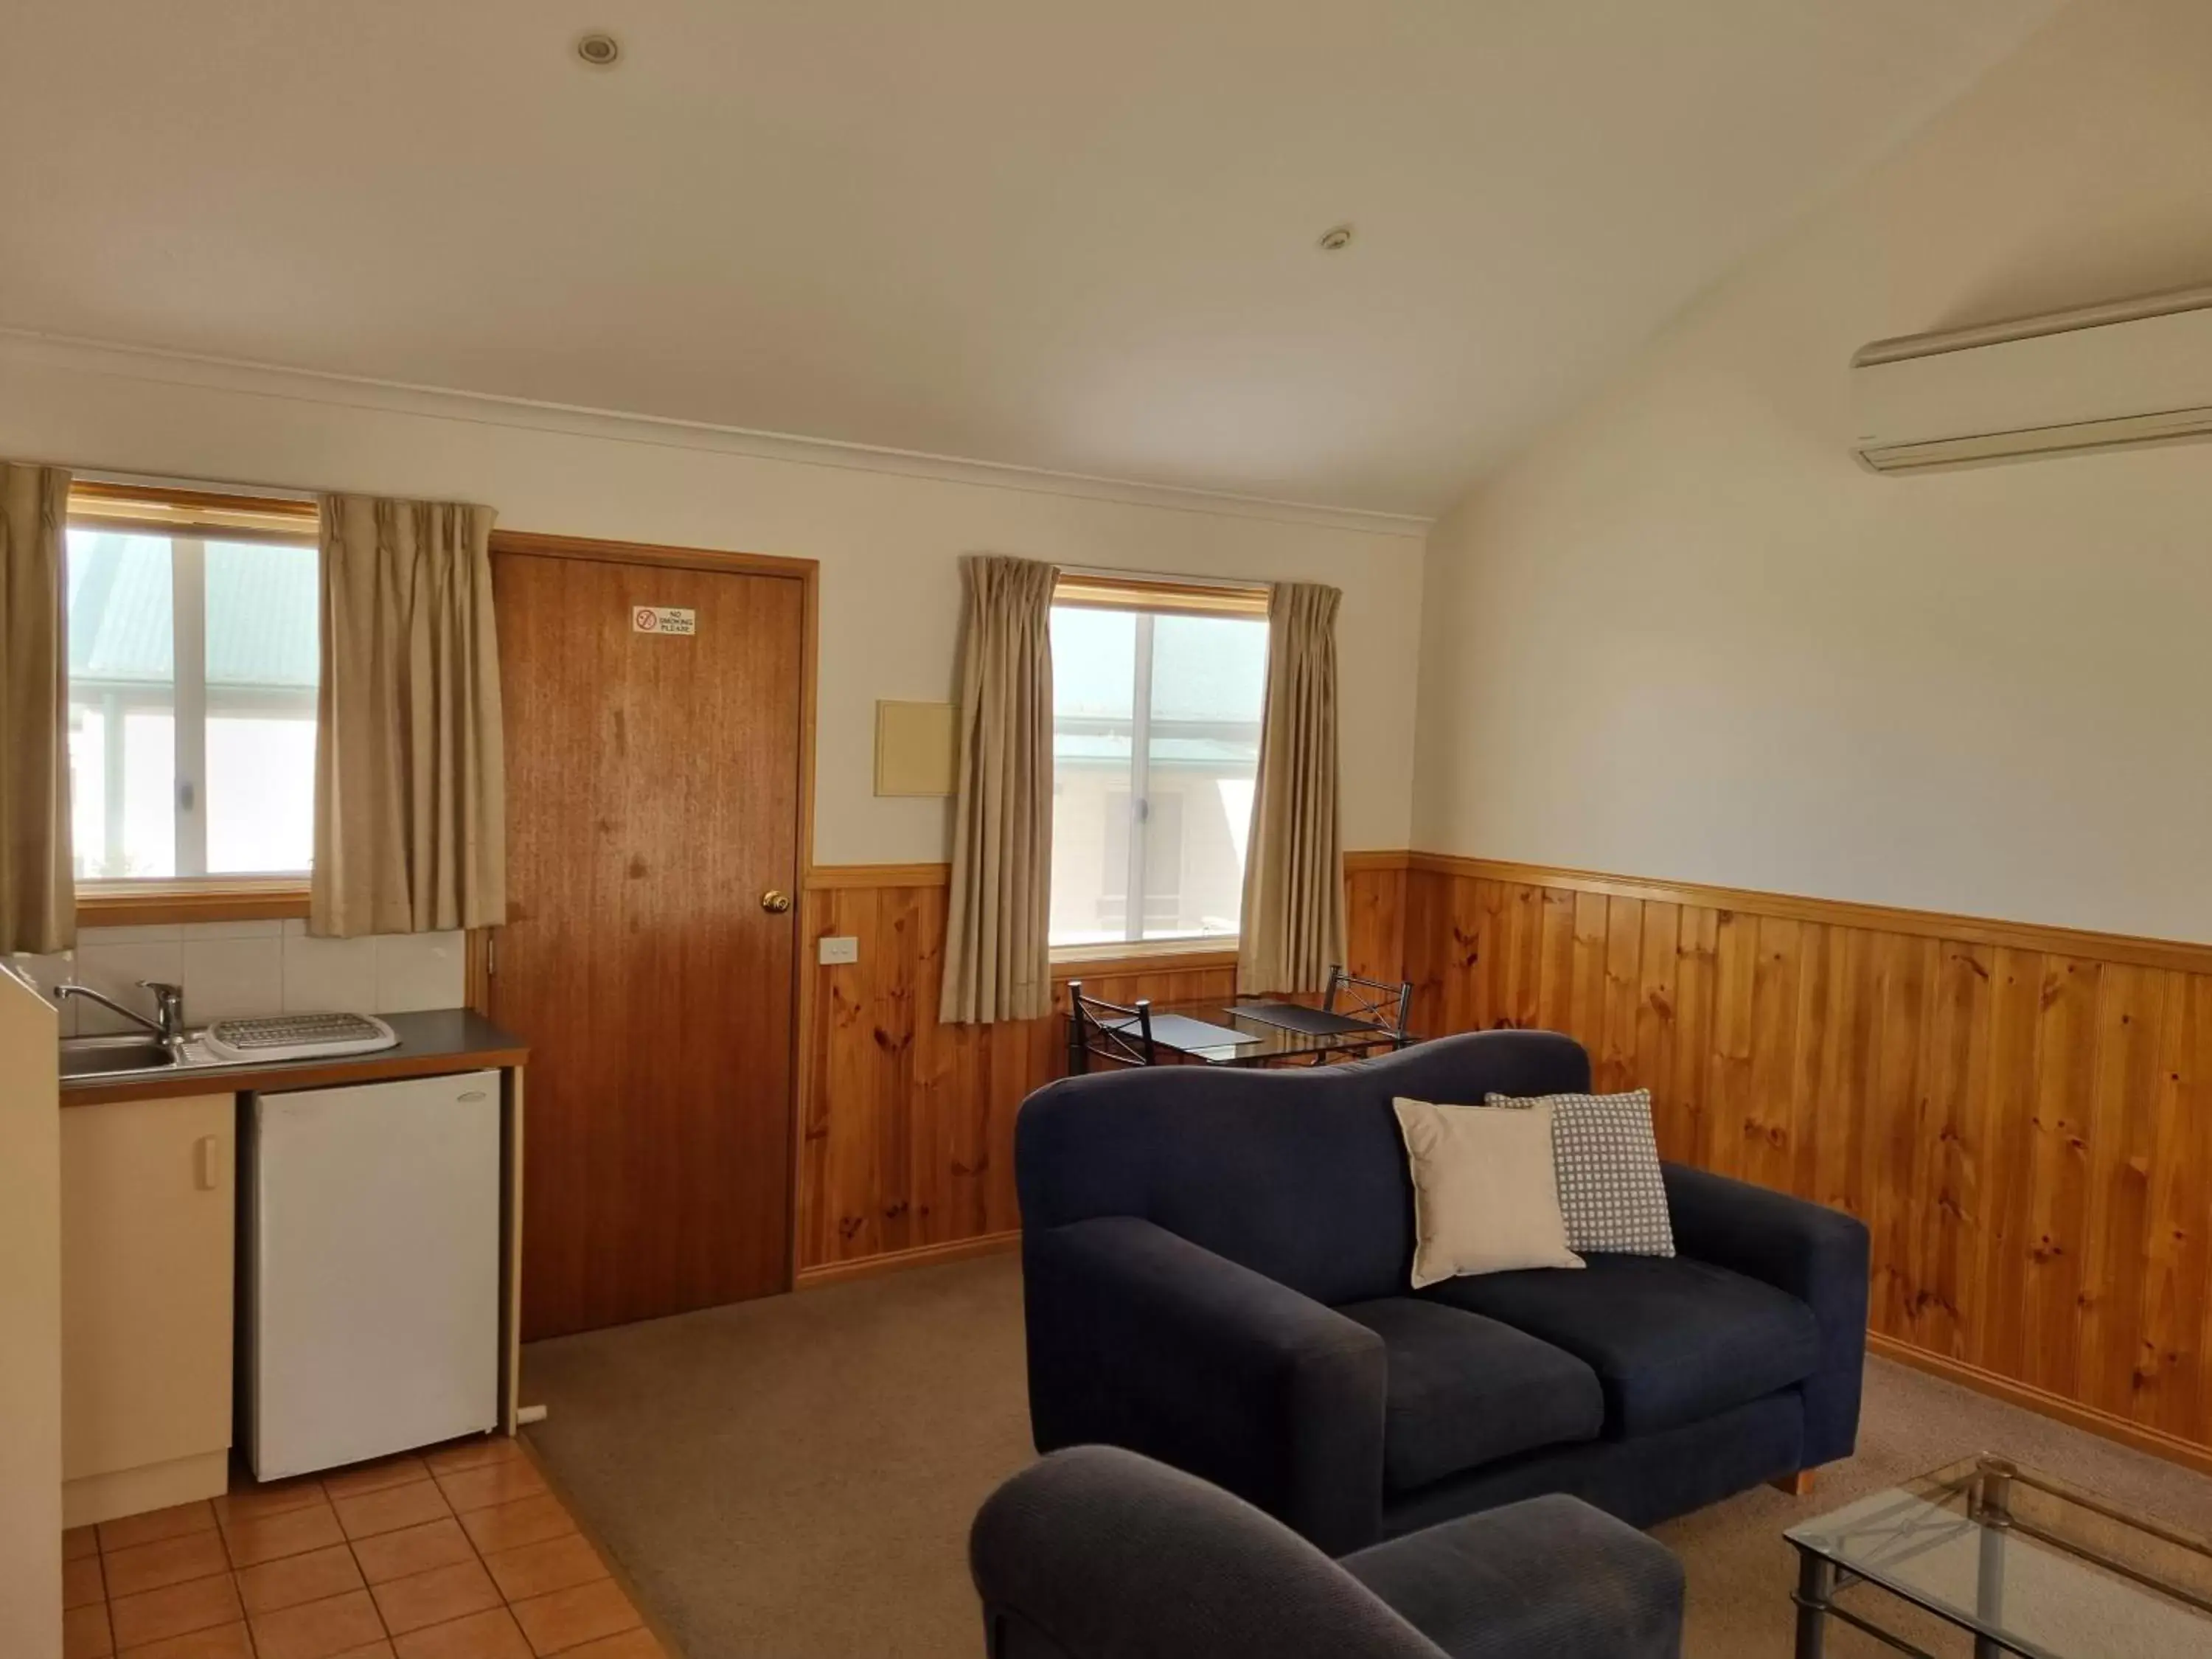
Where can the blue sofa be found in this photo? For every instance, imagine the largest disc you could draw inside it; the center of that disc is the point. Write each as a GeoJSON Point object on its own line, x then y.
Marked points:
{"type": "Point", "coordinates": [1098, 1554]}
{"type": "Point", "coordinates": [1216, 1268]}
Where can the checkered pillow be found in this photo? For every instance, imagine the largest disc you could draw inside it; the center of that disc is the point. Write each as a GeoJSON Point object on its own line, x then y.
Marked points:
{"type": "Point", "coordinates": [1608, 1167]}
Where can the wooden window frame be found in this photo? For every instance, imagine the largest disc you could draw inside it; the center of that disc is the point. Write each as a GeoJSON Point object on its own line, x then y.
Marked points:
{"type": "Point", "coordinates": [1159, 594]}
{"type": "Point", "coordinates": [1156, 596]}
{"type": "Point", "coordinates": [1188, 952]}
{"type": "Point", "coordinates": [189, 513]}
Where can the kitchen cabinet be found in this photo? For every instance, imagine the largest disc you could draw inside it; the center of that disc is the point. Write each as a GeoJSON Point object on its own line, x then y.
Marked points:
{"type": "Point", "coordinates": [149, 1210]}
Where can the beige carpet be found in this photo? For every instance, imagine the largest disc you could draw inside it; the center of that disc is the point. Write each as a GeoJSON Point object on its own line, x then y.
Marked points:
{"type": "Point", "coordinates": [795, 1478]}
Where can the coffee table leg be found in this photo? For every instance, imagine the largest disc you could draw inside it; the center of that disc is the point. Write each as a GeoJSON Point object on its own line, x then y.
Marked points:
{"type": "Point", "coordinates": [1993, 1512]}
{"type": "Point", "coordinates": [1816, 1585]}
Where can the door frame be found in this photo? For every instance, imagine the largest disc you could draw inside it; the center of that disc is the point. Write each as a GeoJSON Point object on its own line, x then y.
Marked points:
{"type": "Point", "coordinates": [808, 573]}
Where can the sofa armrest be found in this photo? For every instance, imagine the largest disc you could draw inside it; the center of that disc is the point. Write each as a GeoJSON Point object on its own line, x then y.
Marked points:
{"type": "Point", "coordinates": [1141, 1339]}
{"type": "Point", "coordinates": [1550, 1575]}
{"type": "Point", "coordinates": [1095, 1551]}
{"type": "Point", "coordinates": [1816, 1254]}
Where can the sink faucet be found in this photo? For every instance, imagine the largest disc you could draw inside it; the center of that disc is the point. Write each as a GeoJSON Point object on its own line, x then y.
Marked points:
{"type": "Point", "coordinates": [168, 1021]}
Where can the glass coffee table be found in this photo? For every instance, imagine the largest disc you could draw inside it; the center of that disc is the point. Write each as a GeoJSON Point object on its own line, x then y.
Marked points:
{"type": "Point", "coordinates": [2022, 1563]}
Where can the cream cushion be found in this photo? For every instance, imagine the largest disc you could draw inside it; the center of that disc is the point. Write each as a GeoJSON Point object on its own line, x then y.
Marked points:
{"type": "Point", "coordinates": [1485, 1189]}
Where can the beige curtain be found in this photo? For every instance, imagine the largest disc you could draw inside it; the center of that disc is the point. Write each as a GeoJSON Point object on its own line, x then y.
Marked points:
{"type": "Point", "coordinates": [1292, 929]}
{"type": "Point", "coordinates": [38, 891]}
{"type": "Point", "coordinates": [996, 960]}
{"type": "Point", "coordinates": [411, 812]}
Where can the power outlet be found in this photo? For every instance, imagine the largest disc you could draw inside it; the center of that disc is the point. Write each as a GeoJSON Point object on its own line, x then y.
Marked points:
{"type": "Point", "coordinates": [840, 950]}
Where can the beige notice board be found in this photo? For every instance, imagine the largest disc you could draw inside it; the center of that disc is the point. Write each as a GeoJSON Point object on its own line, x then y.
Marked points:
{"type": "Point", "coordinates": [915, 748]}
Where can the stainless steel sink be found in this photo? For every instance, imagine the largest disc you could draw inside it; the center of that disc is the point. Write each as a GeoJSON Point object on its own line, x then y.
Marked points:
{"type": "Point", "coordinates": [131, 1055]}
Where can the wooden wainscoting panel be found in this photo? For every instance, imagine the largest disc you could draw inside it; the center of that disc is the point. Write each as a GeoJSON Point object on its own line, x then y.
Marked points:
{"type": "Point", "coordinates": [2173, 1377]}
{"type": "Point", "coordinates": [907, 1136]}
{"type": "Point", "coordinates": [2022, 1116]}
{"type": "Point", "coordinates": [907, 1128]}
{"type": "Point", "coordinates": [1375, 920]}
{"type": "Point", "coordinates": [2186, 956]}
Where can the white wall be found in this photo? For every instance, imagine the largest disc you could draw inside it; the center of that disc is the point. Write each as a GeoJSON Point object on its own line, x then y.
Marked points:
{"type": "Point", "coordinates": [1684, 636]}
{"type": "Point", "coordinates": [889, 541]}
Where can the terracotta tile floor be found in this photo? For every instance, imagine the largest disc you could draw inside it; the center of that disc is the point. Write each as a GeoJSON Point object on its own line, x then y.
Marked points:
{"type": "Point", "coordinates": [462, 1553]}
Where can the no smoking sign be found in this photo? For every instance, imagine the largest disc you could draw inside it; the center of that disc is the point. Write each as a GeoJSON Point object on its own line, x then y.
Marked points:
{"type": "Point", "coordinates": [663, 619]}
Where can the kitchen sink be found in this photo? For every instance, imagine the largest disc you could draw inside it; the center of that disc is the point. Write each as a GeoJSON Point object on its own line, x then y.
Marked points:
{"type": "Point", "coordinates": [131, 1055]}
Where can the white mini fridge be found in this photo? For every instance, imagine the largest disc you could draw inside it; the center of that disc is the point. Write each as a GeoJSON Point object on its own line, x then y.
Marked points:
{"type": "Point", "coordinates": [371, 1270]}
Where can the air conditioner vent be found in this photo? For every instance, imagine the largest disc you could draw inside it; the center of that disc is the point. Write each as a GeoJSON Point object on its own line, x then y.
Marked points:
{"type": "Point", "coordinates": [2105, 377]}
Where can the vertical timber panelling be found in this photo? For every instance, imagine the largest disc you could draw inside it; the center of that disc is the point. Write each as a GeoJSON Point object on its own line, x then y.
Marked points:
{"type": "Point", "coordinates": [2173, 1378]}
{"type": "Point", "coordinates": [2026, 1131]}
{"type": "Point", "coordinates": [2023, 1122]}
{"type": "Point", "coordinates": [907, 1127]}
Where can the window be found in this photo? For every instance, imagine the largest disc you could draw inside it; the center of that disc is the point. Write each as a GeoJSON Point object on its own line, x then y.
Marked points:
{"type": "Point", "coordinates": [193, 649]}
{"type": "Point", "coordinates": [1157, 697]}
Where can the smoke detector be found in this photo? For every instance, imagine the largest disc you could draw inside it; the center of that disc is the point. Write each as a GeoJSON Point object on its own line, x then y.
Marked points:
{"type": "Point", "coordinates": [599, 49]}
{"type": "Point", "coordinates": [1335, 238]}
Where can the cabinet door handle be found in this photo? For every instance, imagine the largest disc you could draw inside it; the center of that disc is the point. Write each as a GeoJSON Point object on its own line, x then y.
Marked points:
{"type": "Point", "coordinates": [209, 1162]}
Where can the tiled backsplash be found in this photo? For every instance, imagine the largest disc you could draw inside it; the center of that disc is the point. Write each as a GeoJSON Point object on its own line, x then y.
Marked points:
{"type": "Point", "coordinates": [256, 968]}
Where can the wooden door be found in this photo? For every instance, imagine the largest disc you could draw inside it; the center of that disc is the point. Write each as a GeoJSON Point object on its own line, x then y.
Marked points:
{"type": "Point", "coordinates": [653, 788]}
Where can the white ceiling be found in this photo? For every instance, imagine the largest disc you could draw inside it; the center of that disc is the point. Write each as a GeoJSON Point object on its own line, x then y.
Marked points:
{"type": "Point", "coordinates": [1078, 236]}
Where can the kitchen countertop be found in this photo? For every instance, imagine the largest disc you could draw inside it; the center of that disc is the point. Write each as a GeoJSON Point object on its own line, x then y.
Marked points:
{"type": "Point", "coordinates": [440, 1039]}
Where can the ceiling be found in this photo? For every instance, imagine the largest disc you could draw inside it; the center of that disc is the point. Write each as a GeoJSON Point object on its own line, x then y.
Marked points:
{"type": "Point", "coordinates": [1075, 236]}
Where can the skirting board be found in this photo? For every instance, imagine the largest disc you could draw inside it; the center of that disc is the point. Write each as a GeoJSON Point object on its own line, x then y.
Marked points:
{"type": "Point", "coordinates": [110, 1497]}
{"type": "Point", "coordinates": [892, 1261]}
{"type": "Point", "coordinates": [2156, 1442]}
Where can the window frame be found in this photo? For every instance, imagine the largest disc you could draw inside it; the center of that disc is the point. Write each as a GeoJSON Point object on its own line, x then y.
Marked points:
{"type": "Point", "coordinates": [189, 519]}
{"type": "Point", "coordinates": [1152, 597]}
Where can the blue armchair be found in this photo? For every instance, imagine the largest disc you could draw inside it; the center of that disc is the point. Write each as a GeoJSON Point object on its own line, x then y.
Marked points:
{"type": "Point", "coordinates": [1217, 1272]}
{"type": "Point", "coordinates": [1096, 1553]}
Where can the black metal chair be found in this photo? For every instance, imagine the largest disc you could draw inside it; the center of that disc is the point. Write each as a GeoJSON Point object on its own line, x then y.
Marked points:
{"type": "Point", "coordinates": [1101, 1030]}
{"type": "Point", "coordinates": [1377, 1001]}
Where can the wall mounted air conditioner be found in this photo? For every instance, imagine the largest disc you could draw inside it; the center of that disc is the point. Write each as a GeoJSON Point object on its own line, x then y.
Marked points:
{"type": "Point", "coordinates": [2133, 372]}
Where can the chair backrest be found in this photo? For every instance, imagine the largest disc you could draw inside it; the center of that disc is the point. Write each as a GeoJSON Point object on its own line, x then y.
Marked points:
{"type": "Point", "coordinates": [1377, 1001]}
{"type": "Point", "coordinates": [1106, 1030]}
{"type": "Point", "coordinates": [1097, 1552]}
{"type": "Point", "coordinates": [1298, 1174]}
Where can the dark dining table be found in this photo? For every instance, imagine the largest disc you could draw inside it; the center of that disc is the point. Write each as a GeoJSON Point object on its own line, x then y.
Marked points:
{"type": "Point", "coordinates": [1225, 1031]}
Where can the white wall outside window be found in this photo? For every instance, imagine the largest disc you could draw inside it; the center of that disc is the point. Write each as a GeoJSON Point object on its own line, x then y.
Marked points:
{"type": "Point", "coordinates": [1156, 739]}
{"type": "Point", "coordinates": [194, 666]}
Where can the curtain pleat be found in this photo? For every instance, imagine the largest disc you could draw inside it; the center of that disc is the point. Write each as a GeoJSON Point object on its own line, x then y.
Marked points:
{"type": "Point", "coordinates": [38, 890]}
{"type": "Point", "coordinates": [997, 947]}
{"type": "Point", "coordinates": [411, 807]}
{"type": "Point", "coordinates": [1292, 932]}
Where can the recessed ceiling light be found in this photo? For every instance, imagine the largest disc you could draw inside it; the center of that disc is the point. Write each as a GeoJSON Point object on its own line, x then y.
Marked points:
{"type": "Point", "coordinates": [599, 49]}
{"type": "Point", "coordinates": [1335, 238]}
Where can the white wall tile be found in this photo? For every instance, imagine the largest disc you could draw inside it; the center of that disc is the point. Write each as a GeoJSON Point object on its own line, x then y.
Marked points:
{"type": "Point", "coordinates": [258, 968]}
{"type": "Point", "coordinates": [329, 976]}
{"type": "Point", "coordinates": [225, 976]}
{"type": "Point", "coordinates": [270, 929]}
{"type": "Point", "coordinates": [115, 967]}
{"type": "Point", "coordinates": [47, 972]}
{"type": "Point", "coordinates": [166, 931]}
{"type": "Point", "coordinates": [420, 970]}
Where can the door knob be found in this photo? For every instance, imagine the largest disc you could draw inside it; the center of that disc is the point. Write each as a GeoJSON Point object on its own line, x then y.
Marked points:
{"type": "Point", "coordinates": [775, 900]}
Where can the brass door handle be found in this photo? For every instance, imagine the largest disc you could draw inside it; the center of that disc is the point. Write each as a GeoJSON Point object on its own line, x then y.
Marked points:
{"type": "Point", "coordinates": [775, 900]}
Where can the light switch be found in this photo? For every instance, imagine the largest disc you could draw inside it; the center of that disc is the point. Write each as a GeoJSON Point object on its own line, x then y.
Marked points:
{"type": "Point", "coordinates": [839, 950]}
